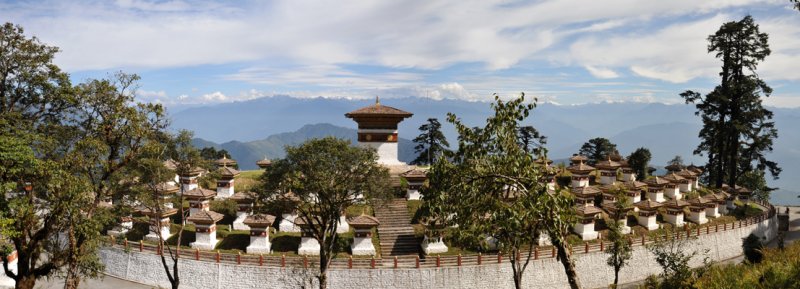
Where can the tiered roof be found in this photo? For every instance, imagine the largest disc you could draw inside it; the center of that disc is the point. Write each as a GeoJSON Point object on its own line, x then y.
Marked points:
{"type": "Point", "coordinates": [585, 191]}
{"type": "Point", "coordinates": [265, 163]}
{"type": "Point", "coordinates": [675, 203]}
{"type": "Point", "coordinates": [228, 172]}
{"type": "Point", "coordinates": [259, 220]}
{"type": "Point", "coordinates": [587, 211]}
{"type": "Point", "coordinates": [225, 161]}
{"type": "Point", "coordinates": [580, 169]}
{"type": "Point", "coordinates": [205, 217]}
{"type": "Point", "coordinates": [674, 178]}
{"type": "Point", "coordinates": [576, 158]}
{"type": "Point", "coordinates": [243, 197]}
{"type": "Point", "coordinates": [648, 205]}
{"type": "Point", "coordinates": [608, 164]}
{"type": "Point", "coordinates": [656, 182]}
{"type": "Point", "coordinates": [415, 175]}
{"type": "Point", "coordinates": [200, 193]}
{"type": "Point", "coordinates": [363, 221]}
{"type": "Point", "coordinates": [699, 201]}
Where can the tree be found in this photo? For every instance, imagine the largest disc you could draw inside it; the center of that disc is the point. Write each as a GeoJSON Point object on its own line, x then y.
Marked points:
{"type": "Point", "coordinates": [639, 161]}
{"type": "Point", "coordinates": [36, 108]}
{"type": "Point", "coordinates": [598, 149]}
{"type": "Point", "coordinates": [319, 179]}
{"type": "Point", "coordinates": [757, 182]}
{"type": "Point", "coordinates": [619, 252]}
{"type": "Point", "coordinates": [674, 261]}
{"type": "Point", "coordinates": [493, 188]}
{"type": "Point", "coordinates": [676, 161]}
{"type": "Point", "coordinates": [737, 130]}
{"type": "Point", "coordinates": [431, 143]}
{"type": "Point", "coordinates": [112, 130]}
{"type": "Point", "coordinates": [530, 140]}
{"type": "Point", "coordinates": [152, 175]}
{"type": "Point", "coordinates": [796, 4]}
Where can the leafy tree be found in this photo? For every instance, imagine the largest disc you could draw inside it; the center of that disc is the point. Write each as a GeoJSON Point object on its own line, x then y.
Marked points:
{"type": "Point", "coordinates": [323, 178]}
{"type": "Point", "coordinates": [674, 261]}
{"type": "Point", "coordinates": [756, 181]}
{"type": "Point", "coordinates": [737, 129]}
{"type": "Point", "coordinates": [753, 249]}
{"type": "Point", "coordinates": [598, 149]}
{"type": "Point", "coordinates": [431, 143]}
{"type": "Point", "coordinates": [492, 188]}
{"type": "Point", "coordinates": [796, 4]}
{"type": "Point", "coordinates": [112, 130]}
{"type": "Point", "coordinates": [36, 107]}
{"type": "Point", "coordinates": [530, 140]}
{"type": "Point", "coordinates": [619, 252]}
{"type": "Point", "coordinates": [152, 174]}
{"type": "Point", "coordinates": [639, 161]}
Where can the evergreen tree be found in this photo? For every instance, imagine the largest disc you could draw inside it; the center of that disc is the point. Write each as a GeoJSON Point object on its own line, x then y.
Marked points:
{"type": "Point", "coordinates": [676, 161]}
{"type": "Point", "coordinates": [737, 129]}
{"type": "Point", "coordinates": [431, 143]}
{"type": "Point", "coordinates": [639, 161]}
{"type": "Point", "coordinates": [598, 149]}
{"type": "Point", "coordinates": [530, 140]}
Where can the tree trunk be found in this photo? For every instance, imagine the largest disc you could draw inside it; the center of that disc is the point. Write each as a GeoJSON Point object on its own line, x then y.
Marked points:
{"type": "Point", "coordinates": [565, 256]}
{"type": "Point", "coordinates": [25, 282]}
{"type": "Point", "coordinates": [616, 276]}
{"type": "Point", "coordinates": [323, 278]}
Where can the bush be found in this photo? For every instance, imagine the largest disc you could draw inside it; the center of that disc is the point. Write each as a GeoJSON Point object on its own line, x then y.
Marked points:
{"type": "Point", "coordinates": [753, 249]}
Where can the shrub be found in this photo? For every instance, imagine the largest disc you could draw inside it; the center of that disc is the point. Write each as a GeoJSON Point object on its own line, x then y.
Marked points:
{"type": "Point", "coordinates": [753, 249]}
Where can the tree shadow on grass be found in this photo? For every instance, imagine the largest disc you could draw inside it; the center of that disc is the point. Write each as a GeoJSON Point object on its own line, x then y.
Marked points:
{"type": "Point", "coordinates": [285, 243]}
{"type": "Point", "coordinates": [234, 242]}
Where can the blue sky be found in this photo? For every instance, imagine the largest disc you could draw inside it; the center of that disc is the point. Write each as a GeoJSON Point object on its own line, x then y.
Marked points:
{"type": "Point", "coordinates": [193, 53]}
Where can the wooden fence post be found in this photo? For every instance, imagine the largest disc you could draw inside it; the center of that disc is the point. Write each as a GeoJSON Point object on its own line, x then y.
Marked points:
{"type": "Point", "coordinates": [417, 261]}
{"type": "Point", "coordinates": [480, 258]}
{"type": "Point", "coordinates": [283, 260]}
{"type": "Point", "coordinates": [260, 259]}
{"type": "Point", "coordinates": [350, 262]}
{"type": "Point", "coordinates": [536, 253]}
{"type": "Point", "coordinates": [459, 260]}
{"type": "Point", "coordinates": [438, 261]}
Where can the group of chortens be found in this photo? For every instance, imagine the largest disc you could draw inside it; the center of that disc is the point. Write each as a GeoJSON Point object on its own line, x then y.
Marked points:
{"type": "Point", "coordinates": [594, 189]}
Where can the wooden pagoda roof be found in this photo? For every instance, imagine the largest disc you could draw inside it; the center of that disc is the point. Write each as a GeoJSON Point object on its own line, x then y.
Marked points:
{"type": "Point", "coordinates": [200, 193]}
{"type": "Point", "coordinates": [363, 221]}
{"type": "Point", "coordinates": [648, 205]}
{"type": "Point", "coordinates": [205, 217]}
{"type": "Point", "coordinates": [259, 220]}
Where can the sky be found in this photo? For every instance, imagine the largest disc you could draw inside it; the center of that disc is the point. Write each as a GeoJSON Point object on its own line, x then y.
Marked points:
{"type": "Point", "coordinates": [192, 53]}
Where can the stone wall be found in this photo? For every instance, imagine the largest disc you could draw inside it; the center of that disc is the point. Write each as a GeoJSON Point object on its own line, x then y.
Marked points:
{"type": "Point", "coordinates": [546, 273]}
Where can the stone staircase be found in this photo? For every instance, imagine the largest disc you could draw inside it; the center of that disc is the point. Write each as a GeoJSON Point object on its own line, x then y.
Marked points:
{"type": "Point", "coordinates": [395, 231]}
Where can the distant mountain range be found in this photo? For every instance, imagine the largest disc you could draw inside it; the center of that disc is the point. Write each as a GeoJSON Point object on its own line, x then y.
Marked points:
{"type": "Point", "coordinates": [272, 147]}
{"type": "Point", "coordinates": [250, 130]}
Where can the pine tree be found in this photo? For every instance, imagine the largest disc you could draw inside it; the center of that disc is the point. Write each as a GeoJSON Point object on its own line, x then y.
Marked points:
{"type": "Point", "coordinates": [530, 139]}
{"type": "Point", "coordinates": [431, 143]}
{"type": "Point", "coordinates": [737, 129]}
{"type": "Point", "coordinates": [639, 161]}
{"type": "Point", "coordinates": [598, 149]}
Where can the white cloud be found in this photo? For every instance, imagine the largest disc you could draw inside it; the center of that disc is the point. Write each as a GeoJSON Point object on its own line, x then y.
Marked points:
{"type": "Point", "coordinates": [215, 97]}
{"type": "Point", "coordinates": [601, 72]}
{"type": "Point", "coordinates": [429, 35]}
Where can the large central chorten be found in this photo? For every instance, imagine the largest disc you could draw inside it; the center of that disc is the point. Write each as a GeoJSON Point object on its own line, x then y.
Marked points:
{"type": "Point", "coordinates": [377, 128]}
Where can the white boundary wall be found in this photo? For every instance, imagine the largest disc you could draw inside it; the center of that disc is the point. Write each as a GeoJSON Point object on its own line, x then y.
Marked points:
{"type": "Point", "coordinates": [547, 273]}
